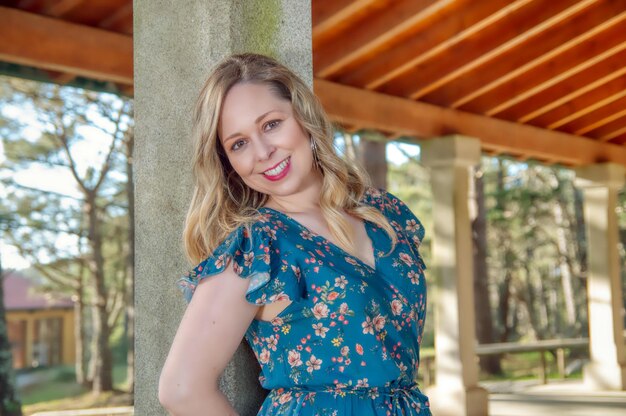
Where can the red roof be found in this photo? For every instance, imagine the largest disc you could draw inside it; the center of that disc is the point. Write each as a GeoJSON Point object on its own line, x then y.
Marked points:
{"type": "Point", "coordinates": [20, 293]}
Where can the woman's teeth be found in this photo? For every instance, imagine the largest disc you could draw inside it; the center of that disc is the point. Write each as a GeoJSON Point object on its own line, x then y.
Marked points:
{"type": "Point", "coordinates": [278, 169]}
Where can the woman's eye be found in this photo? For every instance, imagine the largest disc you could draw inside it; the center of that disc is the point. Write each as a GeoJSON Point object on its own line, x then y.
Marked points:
{"type": "Point", "coordinates": [272, 124]}
{"type": "Point", "coordinates": [237, 145]}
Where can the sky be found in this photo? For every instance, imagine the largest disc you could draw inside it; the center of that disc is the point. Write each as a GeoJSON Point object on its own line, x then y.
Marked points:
{"type": "Point", "coordinates": [86, 154]}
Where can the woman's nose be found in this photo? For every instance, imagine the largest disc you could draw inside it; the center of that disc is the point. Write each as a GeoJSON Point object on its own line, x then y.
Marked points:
{"type": "Point", "coordinates": [264, 149]}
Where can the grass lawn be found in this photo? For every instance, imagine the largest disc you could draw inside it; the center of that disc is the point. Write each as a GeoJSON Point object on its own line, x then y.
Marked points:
{"type": "Point", "coordinates": [59, 391]}
{"type": "Point", "coordinates": [81, 401]}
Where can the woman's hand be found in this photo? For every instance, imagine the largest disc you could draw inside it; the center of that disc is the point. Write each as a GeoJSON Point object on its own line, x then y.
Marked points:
{"type": "Point", "coordinates": [210, 331]}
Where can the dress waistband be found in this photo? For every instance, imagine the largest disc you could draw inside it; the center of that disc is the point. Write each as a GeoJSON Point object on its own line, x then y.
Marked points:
{"type": "Point", "coordinates": [393, 391]}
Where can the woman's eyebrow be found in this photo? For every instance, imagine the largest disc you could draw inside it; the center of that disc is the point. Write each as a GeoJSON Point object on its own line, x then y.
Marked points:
{"type": "Point", "coordinates": [259, 118]}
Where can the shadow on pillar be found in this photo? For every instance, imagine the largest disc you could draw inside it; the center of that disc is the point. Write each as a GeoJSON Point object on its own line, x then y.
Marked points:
{"type": "Point", "coordinates": [240, 382]}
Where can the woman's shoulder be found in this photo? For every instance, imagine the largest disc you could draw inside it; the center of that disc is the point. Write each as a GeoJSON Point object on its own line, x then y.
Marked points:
{"type": "Point", "coordinates": [250, 249]}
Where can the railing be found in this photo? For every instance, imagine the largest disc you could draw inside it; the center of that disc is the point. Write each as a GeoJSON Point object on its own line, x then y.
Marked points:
{"type": "Point", "coordinates": [543, 346]}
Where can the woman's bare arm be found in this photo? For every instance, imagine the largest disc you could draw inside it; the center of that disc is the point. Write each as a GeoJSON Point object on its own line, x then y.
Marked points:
{"type": "Point", "coordinates": [210, 331]}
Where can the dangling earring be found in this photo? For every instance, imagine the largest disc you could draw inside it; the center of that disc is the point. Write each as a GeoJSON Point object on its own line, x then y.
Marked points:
{"type": "Point", "coordinates": [316, 160]}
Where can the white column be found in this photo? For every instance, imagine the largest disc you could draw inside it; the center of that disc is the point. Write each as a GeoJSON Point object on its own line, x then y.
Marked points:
{"type": "Point", "coordinates": [176, 43]}
{"type": "Point", "coordinates": [600, 184]}
{"type": "Point", "coordinates": [456, 392]}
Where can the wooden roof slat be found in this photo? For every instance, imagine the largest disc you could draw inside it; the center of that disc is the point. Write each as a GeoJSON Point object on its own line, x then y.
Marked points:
{"type": "Point", "coordinates": [490, 37]}
{"type": "Point", "coordinates": [509, 46]}
{"type": "Point", "coordinates": [615, 135]}
{"type": "Point", "coordinates": [569, 34]}
{"type": "Point", "coordinates": [584, 110]}
{"type": "Point", "coordinates": [47, 43]}
{"type": "Point", "coordinates": [332, 16]}
{"type": "Point", "coordinates": [610, 130]}
{"type": "Point", "coordinates": [411, 118]}
{"type": "Point", "coordinates": [566, 87]}
{"type": "Point", "coordinates": [26, 4]}
{"type": "Point", "coordinates": [611, 109]}
{"type": "Point", "coordinates": [60, 8]}
{"type": "Point", "coordinates": [379, 30]}
{"type": "Point", "coordinates": [453, 25]}
{"type": "Point", "coordinates": [620, 140]}
{"type": "Point", "coordinates": [585, 103]}
{"type": "Point", "coordinates": [117, 19]}
{"type": "Point", "coordinates": [534, 78]}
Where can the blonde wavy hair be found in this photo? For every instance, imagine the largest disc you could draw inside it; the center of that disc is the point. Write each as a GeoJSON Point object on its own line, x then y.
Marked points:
{"type": "Point", "coordinates": [221, 201]}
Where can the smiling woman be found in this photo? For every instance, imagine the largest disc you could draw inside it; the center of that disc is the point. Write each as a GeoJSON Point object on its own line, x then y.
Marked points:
{"type": "Point", "coordinates": [295, 252]}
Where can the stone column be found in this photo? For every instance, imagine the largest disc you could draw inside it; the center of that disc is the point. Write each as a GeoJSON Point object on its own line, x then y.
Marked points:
{"type": "Point", "coordinates": [456, 392]}
{"type": "Point", "coordinates": [600, 184]}
{"type": "Point", "coordinates": [175, 46]}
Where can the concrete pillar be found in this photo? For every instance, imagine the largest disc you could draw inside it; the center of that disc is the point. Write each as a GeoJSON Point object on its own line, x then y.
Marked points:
{"type": "Point", "coordinates": [175, 45]}
{"type": "Point", "coordinates": [456, 391]}
{"type": "Point", "coordinates": [600, 184]}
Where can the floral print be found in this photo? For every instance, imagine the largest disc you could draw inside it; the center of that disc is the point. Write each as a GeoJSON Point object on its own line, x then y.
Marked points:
{"type": "Point", "coordinates": [348, 343]}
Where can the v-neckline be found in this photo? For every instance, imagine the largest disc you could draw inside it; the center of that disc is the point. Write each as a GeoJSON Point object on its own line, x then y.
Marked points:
{"type": "Point", "coordinates": [371, 268]}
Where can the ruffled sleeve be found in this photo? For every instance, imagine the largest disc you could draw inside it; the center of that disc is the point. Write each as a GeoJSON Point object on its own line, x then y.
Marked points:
{"type": "Point", "coordinates": [251, 252]}
{"type": "Point", "coordinates": [403, 219]}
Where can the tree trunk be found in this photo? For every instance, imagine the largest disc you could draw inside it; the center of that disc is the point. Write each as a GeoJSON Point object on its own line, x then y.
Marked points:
{"type": "Point", "coordinates": [372, 157]}
{"type": "Point", "coordinates": [504, 306]}
{"type": "Point", "coordinates": [79, 330]}
{"type": "Point", "coordinates": [482, 305]}
{"type": "Point", "coordinates": [564, 267]}
{"type": "Point", "coordinates": [101, 352]}
{"type": "Point", "coordinates": [504, 242]}
{"type": "Point", "coordinates": [9, 403]}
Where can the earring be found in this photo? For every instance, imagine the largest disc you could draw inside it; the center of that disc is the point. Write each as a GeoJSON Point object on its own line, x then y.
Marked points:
{"type": "Point", "coordinates": [316, 160]}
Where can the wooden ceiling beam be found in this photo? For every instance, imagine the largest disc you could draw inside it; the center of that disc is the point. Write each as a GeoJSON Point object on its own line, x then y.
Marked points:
{"type": "Point", "coordinates": [532, 80]}
{"type": "Point", "coordinates": [452, 25]}
{"type": "Point", "coordinates": [591, 113]}
{"type": "Point", "coordinates": [537, 51]}
{"type": "Point", "coordinates": [620, 140]}
{"type": "Point", "coordinates": [52, 44]}
{"type": "Point", "coordinates": [121, 14]}
{"type": "Point", "coordinates": [565, 87]}
{"type": "Point", "coordinates": [380, 29]}
{"type": "Point", "coordinates": [449, 73]}
{"type": "Point", "coordinates": [409, 118]}
{"type": "Point", "coordinates": [332, 16]}
{"type": "Point", "coordinates": [597, 118]}
{"type": "Point", "coordinates": [610, 130]}
{"type": "Point", "coordinates": [61, 8]}
{"type": "Point", "coordinates": [614, 136]}
{"type": "Point", "coordinates": [522, 17]}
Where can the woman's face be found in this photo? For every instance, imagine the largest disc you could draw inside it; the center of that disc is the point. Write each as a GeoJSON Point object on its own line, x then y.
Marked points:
{"type": "Point", "coordinates": [264, 142]}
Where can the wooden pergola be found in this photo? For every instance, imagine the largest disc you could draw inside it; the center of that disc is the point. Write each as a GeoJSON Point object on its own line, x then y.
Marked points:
{"type": "Point", "coordinates": [540, 80]}
{"type": "Point", "coordinates": [533, 79]}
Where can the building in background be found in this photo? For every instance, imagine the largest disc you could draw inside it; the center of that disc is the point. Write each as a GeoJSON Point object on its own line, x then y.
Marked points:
{"type": "Point", "coordinates": [41, 328]}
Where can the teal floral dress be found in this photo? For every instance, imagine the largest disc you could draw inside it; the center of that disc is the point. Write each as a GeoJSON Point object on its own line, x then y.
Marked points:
{"type": "Point", "coordinates": [349, 342]}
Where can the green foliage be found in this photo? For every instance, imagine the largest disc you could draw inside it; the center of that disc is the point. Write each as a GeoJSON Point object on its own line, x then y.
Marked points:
{"type": "Point", "coordinates": [535, 239]}
{"type": "Point", "coordinates": [77, 239]}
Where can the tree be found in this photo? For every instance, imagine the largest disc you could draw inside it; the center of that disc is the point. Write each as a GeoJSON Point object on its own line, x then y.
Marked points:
{"type": "Point", "coordinates": [66, 119]}
{"type": "Point", "coordinates": [482, 297]}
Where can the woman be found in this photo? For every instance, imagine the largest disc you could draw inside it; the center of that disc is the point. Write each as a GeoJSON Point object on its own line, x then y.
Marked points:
{"type": "Point", "coordinates": [319, 272]}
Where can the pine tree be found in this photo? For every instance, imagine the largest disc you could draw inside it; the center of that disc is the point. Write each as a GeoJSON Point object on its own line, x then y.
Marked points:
{"type": "Point", "coordinates": [90, 268]}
